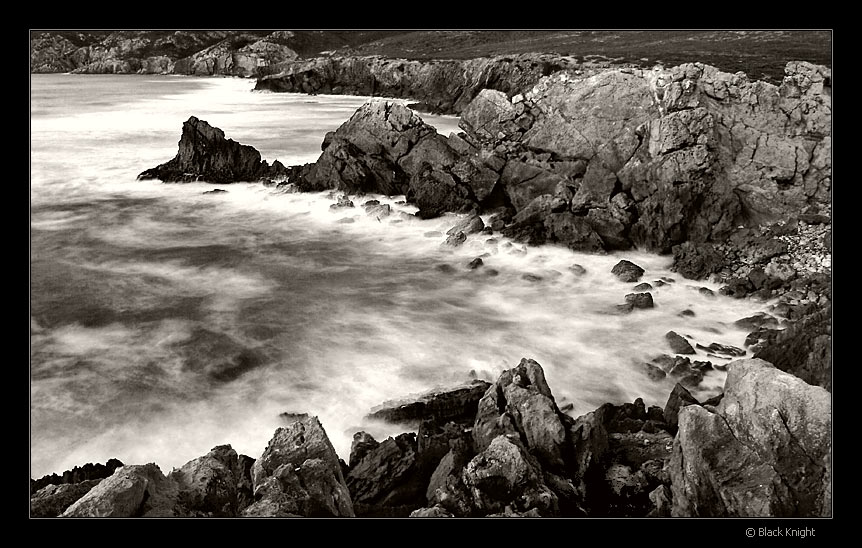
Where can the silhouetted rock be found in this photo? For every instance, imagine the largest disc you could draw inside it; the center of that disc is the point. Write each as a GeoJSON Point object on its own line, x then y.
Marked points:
{"type": "Point", "coordinates": [206, 155]}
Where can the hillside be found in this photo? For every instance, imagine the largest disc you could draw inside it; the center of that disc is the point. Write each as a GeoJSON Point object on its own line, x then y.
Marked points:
{"type": "Point", "coordinates": [760, 54]}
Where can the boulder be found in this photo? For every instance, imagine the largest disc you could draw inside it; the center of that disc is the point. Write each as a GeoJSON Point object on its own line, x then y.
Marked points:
{"type": "Point", "coordinates": [299, 473]}
{"type": "Point", "coordinates": [387, 476]}
{"type": "Point", "coordinates": [206, 155]}
{"type": "Point", "coordinates": [210, 486]}
{"type": "Point", "coordinates": [627, 271]}
{"type": "Point", "coordinates": [679, 344]}
{"type": "Point", "coordinates": [53, 499]}
{"type": "Point", "coordinates": [637, 300]}
{"type": "Point", "coordinates": [470, 224]}
{"type": "Point", "coordinates": [521, 402]}
{"type": "Point", "coordinates": [131, 491]}
{"type": "Point", "coordinates": [678, 398]}
{"type": "Point", "coordinates": [765, 450]}
{"type": "Point", "coordinates": [505, 474]}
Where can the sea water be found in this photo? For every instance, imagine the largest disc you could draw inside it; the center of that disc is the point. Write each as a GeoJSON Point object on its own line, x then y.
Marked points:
{"type": "Point", "coordinates": [165, 321]}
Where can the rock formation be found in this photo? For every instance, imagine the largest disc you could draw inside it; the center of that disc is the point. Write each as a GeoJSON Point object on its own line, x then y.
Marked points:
{"type": "Point", "coordinates": [206, 155]}
{"type": "Point", "coordinates": [439, 86]}
{"type": "Point", "coordinates": [764, 451]}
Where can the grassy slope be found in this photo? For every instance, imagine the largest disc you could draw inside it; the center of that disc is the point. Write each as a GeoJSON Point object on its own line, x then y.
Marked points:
{"type": "Point", "coordinates": [760, 54]}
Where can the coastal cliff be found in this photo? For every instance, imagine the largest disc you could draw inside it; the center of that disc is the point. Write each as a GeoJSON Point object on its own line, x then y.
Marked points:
{"type": "Point", "coordinates": [731, 176]}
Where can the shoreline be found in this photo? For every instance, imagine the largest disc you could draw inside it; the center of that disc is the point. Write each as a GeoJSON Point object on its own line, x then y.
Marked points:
{"type": "Point", "coordinates": [756, 273]}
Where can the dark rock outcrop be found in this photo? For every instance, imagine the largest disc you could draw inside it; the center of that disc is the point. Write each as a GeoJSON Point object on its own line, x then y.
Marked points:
{"type": "Point", "coordinates": [451, 404]}
{"type": "Point", "coordinates": [215, 485]}
{"type": "Point", "coordinates": [761, 448]}
{"type": "Point", "coordinates": [627, 271]}
{"type": "Point", "coordinates": [804, 349]}
{"type": "Point", "coordinates": [678, 343]}
{"type": "Point", "coordinates": [206, 155]}
{"type": "Point", "coordinates": [77, 474]}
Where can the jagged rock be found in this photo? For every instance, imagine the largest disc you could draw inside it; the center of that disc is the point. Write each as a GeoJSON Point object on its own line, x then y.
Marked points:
{"type": "Point", "coordinates": [804, 349]}
{"type": "Point", "coordinates": [468, 225]}
{"type": "Point", "coordinates": [445, 486]}
{"type": "Point", "coordinates": [723, 350]}
{"type": "Point", "coordinates": [441, 86]}
{"type": "Point", "coordinates": [661, 499]}
{"type": "Point", "coordinates": [627, 271]}
{"type": "Point", "coordinates": [436, 192]}
{"type": "Point", "coordinates": [78, 474]}
{"type": "Point", "coordinates": [53, 499]}
{"type": "Point", "coordinates": [505, 474]}
{"type": "Point", "coordinates": [765, 451]}
{"type": "Point", "coordinates": [378, 210]}
{"type": "Point", "coordinates": [451, 404]}
{"type": "Point", "coordinates": [206, 155]}
{"type": "Point", "coordinates": [131, 491]}
{"type": "Point", "coordinates": [210, 486]}
{"type": "Point", "coordinates": [387, 476]}
{"type": "Point", "coordinates": [696, 260]}
{"type": "Point", "coordinates": [678, 398]}
{"type": "Point", "coordinates": [679, 344]}
{"type": "Point", "coordinates": [362, 444]}
{"type": "Point", "coordinates": [487, 114]}
{"type": "Point", "coordinates": [299, 473]}
{"type": "Point", "coordinates": [230, 58]}
{"type": "Point", "coordinates": [521, 402]}
{"type": "Point", "coordinates": [342, 202]}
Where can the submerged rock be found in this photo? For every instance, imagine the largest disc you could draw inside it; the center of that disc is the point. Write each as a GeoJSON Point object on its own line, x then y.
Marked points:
{"type": "Point", "coordinates": [627, 271]}
{"type": "Point", "coordinates": [678, 343]}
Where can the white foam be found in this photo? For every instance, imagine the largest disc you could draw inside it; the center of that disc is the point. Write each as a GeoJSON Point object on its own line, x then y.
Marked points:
{"type": "Point", "coordinates": [397, 326]}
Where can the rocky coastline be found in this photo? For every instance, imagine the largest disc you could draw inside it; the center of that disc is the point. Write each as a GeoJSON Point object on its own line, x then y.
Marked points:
{"type": "Point", "coordinates": [730, 176]}
{"type": "Point", "coordinates": [761, 449]}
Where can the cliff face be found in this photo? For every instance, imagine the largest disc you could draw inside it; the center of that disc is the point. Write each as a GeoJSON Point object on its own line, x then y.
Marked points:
{"type": "Point", "coordinates": [200, 53]}
{"type": "Point", "coordinates": [618, 159]}
{"type": "Point", "coordinates": [685, 154]}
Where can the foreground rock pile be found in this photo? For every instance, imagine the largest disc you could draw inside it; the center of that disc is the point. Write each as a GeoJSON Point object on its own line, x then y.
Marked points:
{"type": "Point", "coordinates": [506, 449]}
